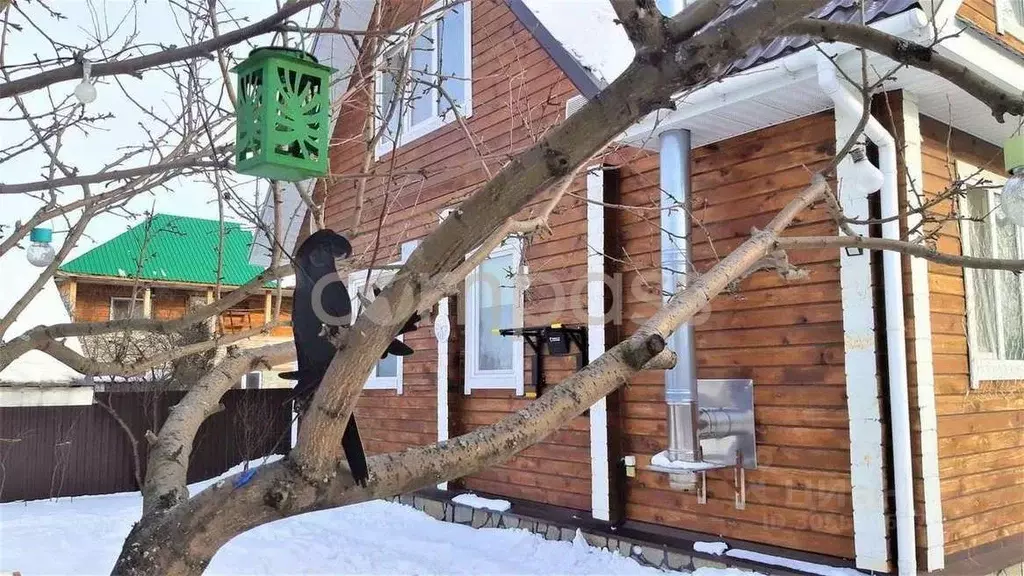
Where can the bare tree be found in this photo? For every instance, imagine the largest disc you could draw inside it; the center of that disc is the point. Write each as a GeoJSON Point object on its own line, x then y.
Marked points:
{"type": "Point", "coordinates": [179, 533]}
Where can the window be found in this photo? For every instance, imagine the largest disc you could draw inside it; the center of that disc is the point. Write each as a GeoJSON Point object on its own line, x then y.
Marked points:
{"type": "Point", "coordinates": [124, 309]}
{"type": "Point", "coordinates": [494, 300]}
{"type": "Point", "coordinates": [252, 380]}
{"type": "Point", "coordinates": [995, 299]}
{"type": "Point", "coordinates": [438, 53]}
{"type": "Point", "coordinates": [1010, 17]}
{"type": "Point", "coordinates": [387, 375]}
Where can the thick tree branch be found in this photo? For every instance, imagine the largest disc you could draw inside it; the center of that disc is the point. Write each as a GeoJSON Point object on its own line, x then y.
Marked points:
{"type": "Point", "coordinates": [135, 66]}
{"type": "Point", "coordinates": [166, 472]}
{"type": "Point", "coordinates": [909, 248]}
{"type": "Point", "coordinates": [642, 21]}
{"type": "Point", "coordinates": [918, 56]}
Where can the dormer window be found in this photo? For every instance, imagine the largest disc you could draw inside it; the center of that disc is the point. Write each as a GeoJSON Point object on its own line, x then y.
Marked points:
{"type": "Point", "coordinates": [433, 56]}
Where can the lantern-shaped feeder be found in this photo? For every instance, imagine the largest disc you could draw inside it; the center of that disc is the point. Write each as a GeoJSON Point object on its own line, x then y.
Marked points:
{"type": "Point", "coordinates": [283, 115]}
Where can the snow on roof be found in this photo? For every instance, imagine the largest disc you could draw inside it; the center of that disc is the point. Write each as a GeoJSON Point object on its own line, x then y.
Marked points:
{"type": "Point", "coordinates": [587, 29]}
{"type": "Point", "coordinates": [34, 367]}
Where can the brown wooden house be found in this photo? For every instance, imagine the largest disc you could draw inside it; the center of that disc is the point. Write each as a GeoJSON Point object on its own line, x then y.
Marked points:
{"type": "Point", "coordinates": [877, 444]}
{"type": "Point", "coordinates": [166, 266]}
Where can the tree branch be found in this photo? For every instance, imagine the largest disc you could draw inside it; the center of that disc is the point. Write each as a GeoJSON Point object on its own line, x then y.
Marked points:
{"type": "Point", "coordinates": [43, 336]}
{"type": "Point", "coordinates": [91, 367]}
{"type": "Point", "coordinates": [918, 56]}
{"type": "Point", "coordinates": [136, 461]}
{"type": "Point", "coordinates": [152, 169]}
{"type": "Point", "coordinates": [902, 246]}
{"type": "Point", "coordinates": [135, 66]}
{"type": "Point", "coordinates": [166, 471]}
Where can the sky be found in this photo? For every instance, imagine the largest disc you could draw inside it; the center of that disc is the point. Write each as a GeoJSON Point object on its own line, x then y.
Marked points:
{"type": "Point", "coordinates": [156, 24]}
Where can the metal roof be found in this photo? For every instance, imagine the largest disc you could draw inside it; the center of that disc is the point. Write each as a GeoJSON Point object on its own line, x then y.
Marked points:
{"type": "Point", "coordinates": [586, 33]}
{"type": "Point", "coordinates": [847, 11]}
{"type": "Point", "coordinates": [172, 249]}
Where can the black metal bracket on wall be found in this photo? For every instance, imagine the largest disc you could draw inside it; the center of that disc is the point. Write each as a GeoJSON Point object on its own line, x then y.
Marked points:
{"type": "Point", "coordinates": [559, 340]}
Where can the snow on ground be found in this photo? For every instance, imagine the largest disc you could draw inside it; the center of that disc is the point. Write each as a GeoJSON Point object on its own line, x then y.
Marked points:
{"type": "Point", "coordinates": [715, 548]}
{"type": "Point", "coordinates": [474, 501]}
{"type": "Point", "coordinates": [83, 536]}
{"type": "Point", "coordinates": [810, 568]}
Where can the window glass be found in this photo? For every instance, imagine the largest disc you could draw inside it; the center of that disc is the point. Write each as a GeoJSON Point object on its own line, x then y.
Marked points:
{"type": "Point", "coordinates": [453, 63]}
{"type": "Point", "coordinates": [122, 309]}
{"type": "Point", "coordinates": [422, 76]}
{"type": "Point", "coordinates": [496, 297]}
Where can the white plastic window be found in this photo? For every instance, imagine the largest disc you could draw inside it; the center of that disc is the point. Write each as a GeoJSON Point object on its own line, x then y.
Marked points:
{"type": "Point", "coordinates": [494, 300]}
{"type": "Point", "coordinates": [995, 299]}
{"type": "Point", "coordinates": [439, 76]}
{"type": "Point", "coordinates": [387, 374]}
{"type": "Point", "coordinates": [1010, 17]}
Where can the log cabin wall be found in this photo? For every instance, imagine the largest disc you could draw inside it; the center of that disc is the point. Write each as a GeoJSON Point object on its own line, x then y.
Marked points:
{"type": "Point", "coordinates": [518, 92]}
{"type": "Point", "coordinates": [982, 15]}
{"type": "Point", "coordinates": [785, 335]}
{"type": "Point", "coordinates": [92, 304]}
{"type": "Point", "coordinates": [980, 432]}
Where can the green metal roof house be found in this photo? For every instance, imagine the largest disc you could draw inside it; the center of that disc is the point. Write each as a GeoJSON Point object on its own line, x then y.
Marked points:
{"type": "Point", "coordinates": [168, 248]}
{"type": "Point", "coordinates": [163, 267]}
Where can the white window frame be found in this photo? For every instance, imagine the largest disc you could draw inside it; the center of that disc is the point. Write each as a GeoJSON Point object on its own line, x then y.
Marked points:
{"type": "Point", "coordinates": [140, 303]}
{"type": "Point", "coordinates": [476, 378]}
{"type": "Point", "coordinates": [380, 278]}
{"type": "Point", "coordinates": [986, 366]}
{"type": "Point", "coordinates": [403, 40]}
{"type": "Point", "coordinates": [245, 380]}
{"type": "Point", "coordinates": [1007, 21]}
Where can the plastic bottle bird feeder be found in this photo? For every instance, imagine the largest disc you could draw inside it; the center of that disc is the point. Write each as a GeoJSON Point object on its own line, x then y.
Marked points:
{"type": "Point", "coordinates": [284, 104]}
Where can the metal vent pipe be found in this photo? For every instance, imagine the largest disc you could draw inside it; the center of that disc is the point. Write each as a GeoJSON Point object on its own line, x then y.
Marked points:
{"type": "Point", "coordinates": [681, 381]}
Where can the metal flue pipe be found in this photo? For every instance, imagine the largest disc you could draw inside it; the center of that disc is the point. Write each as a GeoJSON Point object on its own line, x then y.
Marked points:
{"type": "Point", "coordinates": [681, 381]}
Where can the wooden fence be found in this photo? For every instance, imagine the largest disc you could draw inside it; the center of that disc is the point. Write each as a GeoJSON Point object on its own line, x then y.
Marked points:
{"type": "Point", "coordinates": [55, 451]}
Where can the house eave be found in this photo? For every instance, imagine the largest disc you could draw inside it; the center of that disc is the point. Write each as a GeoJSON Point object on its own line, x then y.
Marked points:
{"type": "Point", "coordinates": [146, 282]}
{"type": "Point", "coordinates": [759, 80]}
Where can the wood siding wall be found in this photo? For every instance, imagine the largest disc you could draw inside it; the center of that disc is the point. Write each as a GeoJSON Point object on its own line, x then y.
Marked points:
{"type": "Point", "coordinates": [786, 336]}
{"type": "Point", "coordinates": [981, 432]}
{"type": "Point", "coordinates": [92, 304]}
{"type": "Point", "coordinates": [982, 13]}
{"type": "Point", "coordinates": [518, 92]}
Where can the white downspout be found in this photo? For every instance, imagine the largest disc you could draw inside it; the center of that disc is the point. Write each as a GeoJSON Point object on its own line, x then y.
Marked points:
{"type": "Point", "coordinates": [899, 399]}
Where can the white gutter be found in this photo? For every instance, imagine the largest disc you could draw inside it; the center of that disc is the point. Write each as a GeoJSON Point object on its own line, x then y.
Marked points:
{"type": "Point", "coordinates": [848, 104]}
{"type": "Point", "coordinates": [751, 83]}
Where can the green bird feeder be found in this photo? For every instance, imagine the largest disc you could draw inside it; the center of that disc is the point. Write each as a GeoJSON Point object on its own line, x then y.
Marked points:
{"type": "Point", "coordinates": [283, 115]}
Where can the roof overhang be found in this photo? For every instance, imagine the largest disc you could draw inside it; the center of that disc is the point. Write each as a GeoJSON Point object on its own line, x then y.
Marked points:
{"type": "Point", "coordinates": [145, 282]}
{"type": "Point", "coordinates": [786, 89]}
{"type": "Point", "coordinates": [764, 83]}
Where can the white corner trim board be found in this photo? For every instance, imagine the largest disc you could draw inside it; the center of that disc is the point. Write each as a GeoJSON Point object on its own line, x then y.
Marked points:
{"type": "Point", "coordinates": [442, 331]}
{"type": "Point", "coordinates": [924, 370]}
{"type": "Point", "coordinates": [867, 473]}
{"type": "Point", "coordinates": [600, 503]}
